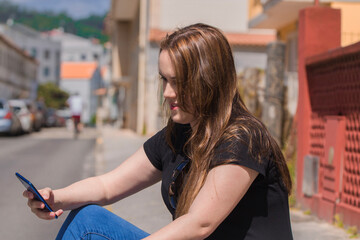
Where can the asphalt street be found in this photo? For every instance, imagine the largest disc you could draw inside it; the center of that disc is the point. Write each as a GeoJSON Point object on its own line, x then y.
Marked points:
{"type": "Point", "coordinates": [50, 158]}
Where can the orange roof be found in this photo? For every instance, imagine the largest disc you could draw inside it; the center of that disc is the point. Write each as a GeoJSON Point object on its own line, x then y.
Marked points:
{"type": "Point", "coordinates": [245, 39]}
{"type": "Point", "coordinates": [78, 70]}
{"type": "Point", "coordinates": [250, 39]}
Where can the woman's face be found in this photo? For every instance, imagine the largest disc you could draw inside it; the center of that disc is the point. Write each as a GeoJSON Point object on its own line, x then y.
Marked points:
{"type": "Point", "coordinates": [167, 74]}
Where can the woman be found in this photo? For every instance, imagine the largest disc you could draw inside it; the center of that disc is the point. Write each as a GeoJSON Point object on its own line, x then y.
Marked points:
{"type": "Point", "coordinates": [223, 176]}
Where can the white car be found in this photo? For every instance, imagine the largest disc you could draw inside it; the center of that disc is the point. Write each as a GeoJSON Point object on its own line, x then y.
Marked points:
{"type": "Point", "coordinates": [23, 113]}
{"type": "Point", "coordinates": [9, 122]}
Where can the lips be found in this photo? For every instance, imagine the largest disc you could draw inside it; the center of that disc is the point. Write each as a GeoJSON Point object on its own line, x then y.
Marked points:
{"type": "Point", "coordinates": [173, 106]}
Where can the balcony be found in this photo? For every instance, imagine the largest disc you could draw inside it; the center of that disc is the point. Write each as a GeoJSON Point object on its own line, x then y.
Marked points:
{"type": "Point", "coordinates": [279, 13]}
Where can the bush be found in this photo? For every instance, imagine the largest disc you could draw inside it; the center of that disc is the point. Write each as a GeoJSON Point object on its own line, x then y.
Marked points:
{"type": "Point", "coordinates": [52, 95]}
{"type": "Point", "coordinates": [93, 120]}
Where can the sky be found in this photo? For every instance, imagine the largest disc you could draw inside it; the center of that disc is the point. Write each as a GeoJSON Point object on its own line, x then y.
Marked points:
{"type": "Point", "coordinates": [75, 8]}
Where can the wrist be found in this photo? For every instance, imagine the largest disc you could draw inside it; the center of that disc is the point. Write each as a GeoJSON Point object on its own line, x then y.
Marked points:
{"type": "Point", "coordinates": [59, 200]}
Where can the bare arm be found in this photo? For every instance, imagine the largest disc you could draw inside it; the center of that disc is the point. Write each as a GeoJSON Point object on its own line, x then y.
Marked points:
{"type": "Point", "coordinates": [215, 201]}
{"type": "Point", "coordinates": [133, 175]}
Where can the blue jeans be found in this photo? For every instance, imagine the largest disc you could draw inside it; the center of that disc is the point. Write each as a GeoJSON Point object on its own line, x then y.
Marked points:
{"type": "Point", "coordinates": [97, 223]}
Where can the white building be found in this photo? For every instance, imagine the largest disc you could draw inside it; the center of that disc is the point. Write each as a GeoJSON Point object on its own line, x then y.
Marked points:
{"type": "Point", "coordinates": [17, 71]}
{"type": "Point", "coordinates": [83, 78]}
{"type": "Point", "coordinates": [78, 49]}
{"type": "Point", "coordinates": [44, 50]}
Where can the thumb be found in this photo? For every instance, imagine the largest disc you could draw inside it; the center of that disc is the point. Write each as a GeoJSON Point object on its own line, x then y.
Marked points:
{"type": "Point", "coordinates": [45, 193]}
{"type": "Point", "coordinates": [59, 212]}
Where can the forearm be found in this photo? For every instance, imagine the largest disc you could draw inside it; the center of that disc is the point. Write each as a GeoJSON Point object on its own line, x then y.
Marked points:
{"type": "Point", "coordinates": [184, 227]}
{"type": "Point", "coordinates": [134, 174]}
{"type": "Point", "coordinates": [87, 191]}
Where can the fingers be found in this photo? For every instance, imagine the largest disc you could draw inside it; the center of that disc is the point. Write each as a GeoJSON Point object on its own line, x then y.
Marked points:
{"type": "Point", "coordinates": [59, 212]}
{"type": "Point", "coordinates": [36, 204]}
{"type": "Point", "coordinates": [28, 194]}
{"type": "Point", "coordinates": [45, 193]}
{"type": "Point", "coordinates": [47, 215]}
{"type": "Point", "coordinates": [38, 207]}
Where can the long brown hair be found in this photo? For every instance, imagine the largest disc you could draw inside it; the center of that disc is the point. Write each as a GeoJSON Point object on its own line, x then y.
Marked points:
{"type": "Point", "coordinates": [205, 74]}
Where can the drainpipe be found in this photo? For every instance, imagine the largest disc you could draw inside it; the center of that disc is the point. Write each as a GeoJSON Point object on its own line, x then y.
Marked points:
{"type": "Point", "coordinates": [272, 114]}
{"type": "Point", "coordinates": [142, 67]}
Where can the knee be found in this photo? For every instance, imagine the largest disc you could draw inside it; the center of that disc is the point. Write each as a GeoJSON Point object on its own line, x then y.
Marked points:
{"type": "Point", "coordinates": [89, 209]}
{"type": "Point", "coordinates": [93, 219]}
{"type": "Point", "coordinates": [79, 220]}
{"type": "Point", "coordinates": [87, 212]}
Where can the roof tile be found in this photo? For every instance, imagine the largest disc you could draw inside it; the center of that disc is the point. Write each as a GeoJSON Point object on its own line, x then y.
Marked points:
{"type": "Point", "coordinates": [242, 39]}
{"type": "Point", "coordinates": [78, 70]}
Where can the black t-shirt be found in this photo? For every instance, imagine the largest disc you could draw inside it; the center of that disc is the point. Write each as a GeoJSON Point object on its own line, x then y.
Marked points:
{"type": "Point", "coordinates": [263, 212]}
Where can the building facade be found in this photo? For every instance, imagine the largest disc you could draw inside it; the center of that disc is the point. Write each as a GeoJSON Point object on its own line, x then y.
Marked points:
{"type": "Point", "coordinates": [83, 78]}
{"type": "Point", "coordinates": [46, 51]}
{"type": "Point", "coordinates": [137, 32]}
{"type": "Point", "coordinates": [17, 71]}
{"type": "Point", "coordinates": [283, 16]}
{"type": "Point", "coordinates": [76, 48]}
{"type": "Point", "coordinates": [317, 35]}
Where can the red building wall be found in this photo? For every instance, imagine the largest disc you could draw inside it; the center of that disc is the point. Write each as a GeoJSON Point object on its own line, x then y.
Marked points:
{"type": "Point", "coordinates": [334, 90]}
{"type": "Point", "coordinates": [328, 117]}
{"type": "Point", "coordinates": [319, 31]}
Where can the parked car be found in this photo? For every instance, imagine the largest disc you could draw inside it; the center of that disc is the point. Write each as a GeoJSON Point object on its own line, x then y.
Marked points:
{"type": "Point", "coordinates": [9, 122]}
{"type": "Point", "coordinates": [51, 118]}
{"type": "Point", "coordinates": [20, 109]}
{"type": "Point", "coordinates": [36, 115]}
{"type": "Point", "coordinates": [43, 109]}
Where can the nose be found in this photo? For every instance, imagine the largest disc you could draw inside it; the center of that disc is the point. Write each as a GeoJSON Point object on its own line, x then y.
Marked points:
{"type": "Point", "coordinates": [168, 90]}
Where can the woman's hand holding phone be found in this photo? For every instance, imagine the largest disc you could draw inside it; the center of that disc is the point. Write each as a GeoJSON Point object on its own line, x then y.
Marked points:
{"type": "Point", "coordinates": [38, 207]}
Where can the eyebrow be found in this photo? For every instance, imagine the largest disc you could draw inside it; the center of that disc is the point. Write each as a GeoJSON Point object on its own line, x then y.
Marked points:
{"type": "Point", "coordinates": [162, 75]}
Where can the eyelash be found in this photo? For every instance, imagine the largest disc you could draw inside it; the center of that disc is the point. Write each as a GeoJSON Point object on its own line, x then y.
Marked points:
{"type": "Point", "coordinates": [172, 82]}
{"type": "Point", "coordinates": [162, 78]}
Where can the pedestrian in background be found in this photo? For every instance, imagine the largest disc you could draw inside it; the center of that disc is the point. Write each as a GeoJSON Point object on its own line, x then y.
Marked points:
{"type": "Point", "coordinates": [75, 104]}
{"type": "Point", "coordinates": [223, 175]}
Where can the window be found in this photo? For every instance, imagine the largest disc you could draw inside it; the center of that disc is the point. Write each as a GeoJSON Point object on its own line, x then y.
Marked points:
{"type": "Point", "coordinates": [46, 71]}
{"type": "Point", "coordinates": [96, 57]}
{"type": "Point", "coordinates": [33, 52]}
{"type": "Point", "coordinates": [83, 57]}
{"type": "Point", "coordinates": [46, 54]}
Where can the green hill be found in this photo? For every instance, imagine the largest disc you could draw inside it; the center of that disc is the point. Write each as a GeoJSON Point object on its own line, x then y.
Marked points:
{"type": "Point", "coordinates": [91, 26]}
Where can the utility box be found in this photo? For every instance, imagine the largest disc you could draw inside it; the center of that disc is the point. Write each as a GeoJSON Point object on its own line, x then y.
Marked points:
{"type": "Point", "coordinates": [311, 175]}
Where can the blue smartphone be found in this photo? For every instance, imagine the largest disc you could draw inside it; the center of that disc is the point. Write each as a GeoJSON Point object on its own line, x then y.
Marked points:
{"type": "Point", "coordinates": [30, 187]}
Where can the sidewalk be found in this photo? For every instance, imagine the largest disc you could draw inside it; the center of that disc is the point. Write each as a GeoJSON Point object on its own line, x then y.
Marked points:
{"type": "Point", "coordinates": [146, 209]}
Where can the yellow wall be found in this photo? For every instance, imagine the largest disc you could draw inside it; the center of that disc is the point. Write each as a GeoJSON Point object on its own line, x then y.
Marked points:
{"type": "Point", "coordinates": [285, 31]}
{"type": "Point", "coordinates": [350, 22]}
{"type": "Point", "coordinates": [255, 8]}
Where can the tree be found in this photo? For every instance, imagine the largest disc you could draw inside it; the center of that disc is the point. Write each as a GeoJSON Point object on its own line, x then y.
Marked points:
{"type": "Point", "coordinates": [52, 95]}
{"type": "Point", "coordinates": [89, 27]}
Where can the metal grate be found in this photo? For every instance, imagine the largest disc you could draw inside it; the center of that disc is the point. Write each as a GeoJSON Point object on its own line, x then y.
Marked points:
{"type": "Point", "coordinates": [317, 136]}
{"type": "Point", "coordinates": [334, 88]}
{"type": "Point", "coordinates": [351, 179]}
